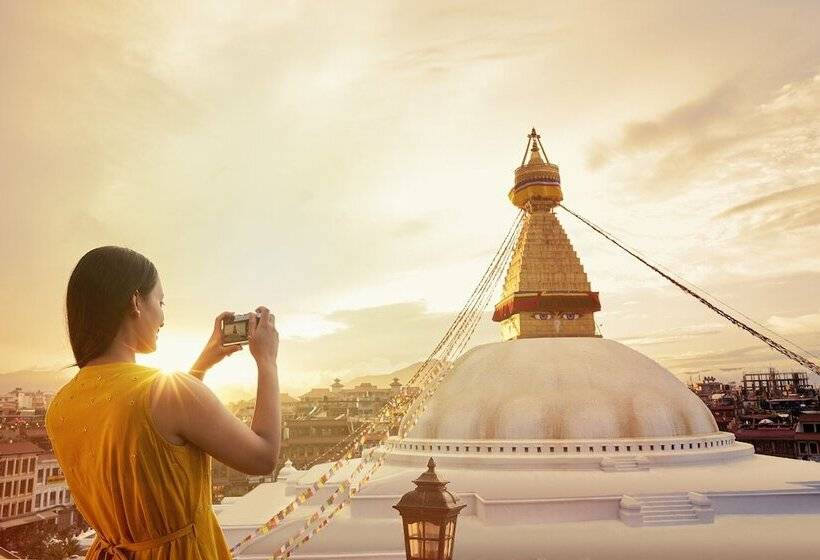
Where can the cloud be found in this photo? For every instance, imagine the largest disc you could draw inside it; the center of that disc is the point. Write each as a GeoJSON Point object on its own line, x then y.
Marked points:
{"type": "Point", "coordinates": [373, 340]}
{"type": "Point", "coordinates": [741, 132]}
{"type": "Point", "coordinates": [685, 121]}
{"type": "Point", "coordinates": [786, 210]}
{"type": "Point", "coordinates": [673, 335]}
{"type": "Point", "coordinates": [801, 324]}
{"type": "Point", "coordinates": [742, 357]}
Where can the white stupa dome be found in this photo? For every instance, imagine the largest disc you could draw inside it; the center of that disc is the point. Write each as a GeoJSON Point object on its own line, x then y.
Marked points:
{"type": "Point", "coordinates": [560, 388]}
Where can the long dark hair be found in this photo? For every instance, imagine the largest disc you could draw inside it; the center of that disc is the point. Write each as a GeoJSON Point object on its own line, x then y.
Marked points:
{"type": "Point", "coordinates": [98, 294]}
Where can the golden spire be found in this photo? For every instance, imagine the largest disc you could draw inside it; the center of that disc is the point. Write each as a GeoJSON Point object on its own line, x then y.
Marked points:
{"type": "Point", "coordinates": [546, 291]}
{"type": "Point", "coordinates": [538, 179]}
{"type": "Point", "coordinates": [535, 152]}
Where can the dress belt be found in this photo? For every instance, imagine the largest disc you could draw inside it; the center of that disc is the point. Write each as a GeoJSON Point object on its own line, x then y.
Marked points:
{"type": "Point", "coordinates": [116, 550]}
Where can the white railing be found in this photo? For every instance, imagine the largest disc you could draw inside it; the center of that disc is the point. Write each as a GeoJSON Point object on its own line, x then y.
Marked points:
{"type": "Point", "coordinates": [564, 447]}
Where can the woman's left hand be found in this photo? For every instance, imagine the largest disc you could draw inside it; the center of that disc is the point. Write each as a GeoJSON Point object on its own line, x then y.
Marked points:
{"type": "Point", "coordinates": [213, 352]}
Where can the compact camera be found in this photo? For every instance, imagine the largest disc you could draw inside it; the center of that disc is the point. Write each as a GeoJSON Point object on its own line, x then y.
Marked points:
{"type": "Point", "coordinates": [235, 330]}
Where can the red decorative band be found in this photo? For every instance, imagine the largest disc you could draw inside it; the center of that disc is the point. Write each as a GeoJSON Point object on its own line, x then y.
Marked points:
{"type": "Point", "coordinates": [578, 302]}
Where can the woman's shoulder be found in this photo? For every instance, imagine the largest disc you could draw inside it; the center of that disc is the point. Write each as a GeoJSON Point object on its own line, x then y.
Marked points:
{"type": "Point", "coordinates": [176, 385]}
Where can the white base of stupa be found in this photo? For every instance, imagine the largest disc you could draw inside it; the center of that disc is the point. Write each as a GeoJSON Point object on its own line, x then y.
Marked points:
{"type": "Point", "coordinates": [741, 506]}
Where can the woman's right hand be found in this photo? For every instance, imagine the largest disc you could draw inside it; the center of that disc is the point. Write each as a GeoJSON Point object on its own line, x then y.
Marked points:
{"type": "Point", "coordinates": [263, 339]}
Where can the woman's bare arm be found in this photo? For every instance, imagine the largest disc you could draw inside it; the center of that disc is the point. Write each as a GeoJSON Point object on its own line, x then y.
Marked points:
{"type": "Point", "coordinates": [196, 415]}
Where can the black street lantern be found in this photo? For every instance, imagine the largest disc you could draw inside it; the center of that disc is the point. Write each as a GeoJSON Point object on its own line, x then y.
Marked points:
{"type": "Point", "coordinates": [429, 515]}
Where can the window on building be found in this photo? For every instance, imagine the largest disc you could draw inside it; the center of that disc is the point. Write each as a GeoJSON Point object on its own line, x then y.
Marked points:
{"type": "Point", "coordinates": [41, 475]}
{"type": "Point", "coordinates": [28, 507]}
{"type": "Point", "coordinates": [68, 496]}
{"type": "Point", "coordinates": [30, 485]}
{"type": "Point", "coordinates": [37, 501]}
{"type": "Point", "coordinates": [5, 510]}
{"type": "Point", "coordinates": [808, 428]}
{"type": "Point", "coordinates": [3, 467]}
{"type": "Point", "coordinates": [15, 489]}
{"type": "Point", "coordinates": [14, 509]}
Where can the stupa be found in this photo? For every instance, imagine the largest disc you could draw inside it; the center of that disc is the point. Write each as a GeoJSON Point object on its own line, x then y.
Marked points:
{"type": "Point", "coordinates": [562, 444]}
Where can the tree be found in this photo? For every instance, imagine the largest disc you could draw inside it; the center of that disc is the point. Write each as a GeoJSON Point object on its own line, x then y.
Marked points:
{"type": "Point", "coordinates": [61, 548]}
{"type": "Point", "coordinates": [31, 540]}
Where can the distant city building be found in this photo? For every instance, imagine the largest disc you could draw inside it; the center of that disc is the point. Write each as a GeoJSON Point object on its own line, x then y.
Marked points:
{"type": "Point", "coordinates": [52, 496]}
{"type": "Point", "coordinates": [18, 462]}
{"type": "Point", "coordinates": [33, 490]}
{"type": "Point", "coordinates": [325, 417]}
{"type": "Point", "coordinates": [777, 412]}
{"type": "Point", "coordinates": [33, 402]}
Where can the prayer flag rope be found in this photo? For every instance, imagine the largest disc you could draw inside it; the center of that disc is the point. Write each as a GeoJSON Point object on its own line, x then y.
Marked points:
{"type": "Point", "coordinates": [303, 497]}
{"type": "Point", "coordinates": [306, 533]}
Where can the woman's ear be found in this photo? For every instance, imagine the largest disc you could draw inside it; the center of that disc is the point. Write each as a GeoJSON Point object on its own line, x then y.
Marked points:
{"type": "Point", "coordinates": [135, 306]}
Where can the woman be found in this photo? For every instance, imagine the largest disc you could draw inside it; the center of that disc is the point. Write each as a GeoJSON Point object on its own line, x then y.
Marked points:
{"type": "Point", "coordinates": [135, 443]}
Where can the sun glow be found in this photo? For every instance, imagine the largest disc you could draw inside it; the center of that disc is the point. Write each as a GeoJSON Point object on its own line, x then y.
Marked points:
{"type": "Point", "coordinates": [176, 351]}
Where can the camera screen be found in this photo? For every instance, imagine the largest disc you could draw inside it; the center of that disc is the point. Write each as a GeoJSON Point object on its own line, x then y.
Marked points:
{"type": "Point", "coordinates": [236, 328]}
{"type": "Point", "coordinates": [235, 332]}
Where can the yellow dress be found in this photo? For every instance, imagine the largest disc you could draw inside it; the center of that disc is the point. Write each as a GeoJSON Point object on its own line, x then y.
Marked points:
{"type": "Point", "coordinates": [145, 496]}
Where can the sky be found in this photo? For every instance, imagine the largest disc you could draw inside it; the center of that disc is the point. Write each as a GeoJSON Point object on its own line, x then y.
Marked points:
{"type": "Point", "coordinates": [347, 165]}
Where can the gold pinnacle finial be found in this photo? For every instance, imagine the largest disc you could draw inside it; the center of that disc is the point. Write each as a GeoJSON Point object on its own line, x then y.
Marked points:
{"type": "Point", "coordinates": [535, 155]}
{"type": "Point", "coordinates": [535, 148]}
{"type": "Point", "coordinates": [537, 178]}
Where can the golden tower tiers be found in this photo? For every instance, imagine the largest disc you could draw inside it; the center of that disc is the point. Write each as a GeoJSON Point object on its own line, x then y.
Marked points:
{"type": "Point", "coordinates": [546, 291]}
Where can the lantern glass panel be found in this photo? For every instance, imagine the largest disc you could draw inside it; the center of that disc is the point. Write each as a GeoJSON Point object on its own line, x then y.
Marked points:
{"type": "Point", "coordinates": [414, 529]}
{"type": "Point", "coordinates": [432, 530]}
{"type": "Point", "coordinates": [448, 548]}
{"type": "Point", "coordinates": [415, 548]}
{"type": "Point", "coordinates": [450, 529]}
{"type": "Point", "coordinates": [431, 550]}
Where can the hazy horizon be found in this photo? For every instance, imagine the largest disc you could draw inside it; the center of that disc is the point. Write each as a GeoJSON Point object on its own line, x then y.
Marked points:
{"type": "Point", "coordinates": [348, 167]}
